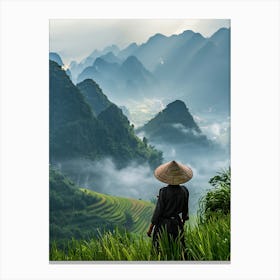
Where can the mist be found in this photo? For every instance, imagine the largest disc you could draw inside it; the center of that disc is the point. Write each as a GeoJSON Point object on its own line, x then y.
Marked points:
{"type": "Point", "coordinates": [137, 181]}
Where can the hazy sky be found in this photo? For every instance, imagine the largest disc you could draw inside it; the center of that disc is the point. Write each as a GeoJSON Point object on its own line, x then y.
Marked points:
{"type": "Point", "coordinates": [74, 39]}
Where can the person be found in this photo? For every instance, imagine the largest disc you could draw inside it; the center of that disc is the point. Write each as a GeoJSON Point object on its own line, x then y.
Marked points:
{"type": "Point", "coordinates": [172, 208]}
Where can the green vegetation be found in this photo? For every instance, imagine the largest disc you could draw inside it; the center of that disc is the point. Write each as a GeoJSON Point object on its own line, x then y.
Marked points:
{"type": "Point", "coordinates": [210, 241]}
{"type": "Point", "coordinates": [217, 200]}
{"type": "Point", "coordinates": [80, 213]}
{"type": "Point", "coordinates": [94, 96]}
{"type": "Point", "coordinates": [206, 238]}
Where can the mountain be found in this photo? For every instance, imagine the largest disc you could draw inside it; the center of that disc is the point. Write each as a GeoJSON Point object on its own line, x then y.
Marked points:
{"type": "Point", "coordinates": [174, 124]}
{"type": "Point", "coordinates": [110, 57]}
{"type": "Point", "coordinates": [75, 133]}
{"type": "Point", "coordinates": [152, 52]}
{"type": "Point", "coordinates": [221, 37]}
{"type": "Point", "coordinates": [125, 111]}
{"type": "Point", "coordinates": [113, 48]}
{"type": "Point", "coordinates": [160, 48]}
{"type": "Point", "coordinates": [102, 71]}
{"type": "Point", "coordinates": [136, 78]}
{"type": "Point", "coordinates": [207, 73]}
{"type": "Point", "coordinates": [128, 51]}
{"type": "Point", "coordinates": [133, 70]}
{"type": "Point", "coordinates": [94, 96]}
{"type": "Point", "coordinates": [194, 68]}
{"type": "Point", "coordinates": [178, 54]}
{"type": "Point", "coordinates": [127, 146]}
{"type": "Point", "coordinates": [78, 68]}
{"type": "Point", "coordinates": [120, 81]}
{"type": "Point", "coordinates": [56, 58]}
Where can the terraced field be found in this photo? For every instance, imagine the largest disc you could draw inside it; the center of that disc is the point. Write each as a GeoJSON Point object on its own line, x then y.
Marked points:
{"type": "Point", "coordinates": [115, 210]}
{"type": "Point", "coordinates": [83, 214]}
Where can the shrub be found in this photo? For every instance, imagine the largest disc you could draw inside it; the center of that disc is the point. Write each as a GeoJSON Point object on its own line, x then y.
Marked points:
{"type": "Point", "coordinates": [216, 202]}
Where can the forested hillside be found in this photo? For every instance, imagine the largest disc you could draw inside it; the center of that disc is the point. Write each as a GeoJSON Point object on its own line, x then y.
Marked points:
{"type": "Point", "coordinates": [76, 133]}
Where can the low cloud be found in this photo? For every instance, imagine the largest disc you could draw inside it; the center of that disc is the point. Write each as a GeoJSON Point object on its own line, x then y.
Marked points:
{"type": "Point", "coordinates": [218, 132]}
{"type": "Point", "coordinates": [103, 176]}
{"type": "Point", "coordinates": [185, 130]}
{"type": "Point", "coordinates": [138, 181]}
{"type": "Point", "coordinates": [133, 181]}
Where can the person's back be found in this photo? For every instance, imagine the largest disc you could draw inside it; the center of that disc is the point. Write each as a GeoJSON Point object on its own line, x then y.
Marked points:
{"type": "Point", "coordinates": [172, 200]}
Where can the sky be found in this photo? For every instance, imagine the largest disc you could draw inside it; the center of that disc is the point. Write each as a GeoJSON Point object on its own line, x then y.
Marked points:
{"type": "Point", "coordinates": [75, 39]}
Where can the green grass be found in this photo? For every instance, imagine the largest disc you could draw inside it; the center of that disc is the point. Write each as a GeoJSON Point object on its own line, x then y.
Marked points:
{"type": "Point", "coordinates": [209, 241]}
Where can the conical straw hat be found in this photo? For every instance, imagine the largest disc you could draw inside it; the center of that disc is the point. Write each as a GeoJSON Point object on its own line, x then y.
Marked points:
{"type": "Point", "coordinates": [173, 173]}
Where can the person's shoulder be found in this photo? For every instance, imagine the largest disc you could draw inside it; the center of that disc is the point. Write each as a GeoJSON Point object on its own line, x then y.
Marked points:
{"type": "Point", "coordinates": [184, 188]}
{"type": "Point", "coordinates": [163, 189]}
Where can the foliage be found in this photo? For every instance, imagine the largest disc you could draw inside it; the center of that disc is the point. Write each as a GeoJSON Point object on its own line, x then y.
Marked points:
{"type": "Point", "coordinates": [74, 131]}
{"type": "Point", "coordinates": [94, 96]}
{"type": "Point", "coordinates": [210, 241]}
{"type": "Point", "coordinates": [216, 201]}
{"type": "Point", "coordinates": [221, 178]}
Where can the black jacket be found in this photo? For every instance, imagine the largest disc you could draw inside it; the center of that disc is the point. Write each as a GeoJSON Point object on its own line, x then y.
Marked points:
{"type": "Point", "coordinates": [172, 201]}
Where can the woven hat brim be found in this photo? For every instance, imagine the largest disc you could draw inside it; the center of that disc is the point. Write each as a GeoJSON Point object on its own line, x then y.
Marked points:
{"type": "Point", "coordinates": [173, 173]}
